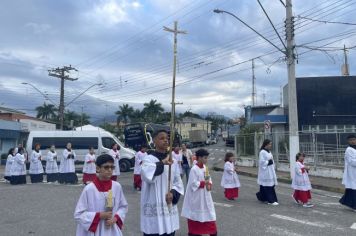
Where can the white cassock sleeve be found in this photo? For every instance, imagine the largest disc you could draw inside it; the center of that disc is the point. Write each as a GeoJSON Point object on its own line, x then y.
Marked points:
{"type": "Point", "coordinates": [84, 217]}
{"type": "Point", "coordinates": [298, 169]}
{"type": "Point", "coordinates": [123, 206]}
{"type": "Point", "coordinates": [229, 169]}
{"type": "Point", "coordinates": [263, 159]}
{"type": "Point", "coordinates": [148, 169]}
{"type": "Point", "coordinates": [194, 181]}
{"type": "Point", "coordinates": [177, 180]}
{"type": "Point", "coordinates": [34, 157]}
{"type": "Point", "coordinates": [81, 215]}
{"type": "Point", "coordinates": [350, 158]}
{"type": "Point", "coordinates": [49, 156]}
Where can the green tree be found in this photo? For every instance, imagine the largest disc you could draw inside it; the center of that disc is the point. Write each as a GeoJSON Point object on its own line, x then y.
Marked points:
{"type": "Point", "coordinates": [152, 110]}
{"type": "Point", "coordinates": [46, 111]}
{"type": "Point", "coordinates": [137, 116]}
{"type": "Point", "coordinates": [124, 113]}
{"type": "Point", "coordinates": [77, 118]}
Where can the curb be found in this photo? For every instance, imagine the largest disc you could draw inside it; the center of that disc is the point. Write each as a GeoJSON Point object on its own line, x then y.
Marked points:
{"type": "Point", "coordinates": [288, 181]}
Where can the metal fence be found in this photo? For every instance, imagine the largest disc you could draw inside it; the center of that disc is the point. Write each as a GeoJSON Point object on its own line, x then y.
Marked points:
{"type": "Point", "coordinates": [321, 148]}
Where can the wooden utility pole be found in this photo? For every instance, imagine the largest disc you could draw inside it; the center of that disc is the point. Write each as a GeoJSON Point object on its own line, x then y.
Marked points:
{"type": "Point", "coordinates": [345, 66]}
{"type": "Point", "coordinates": [61, 73]}
{"type": "Point", "coordinates": [253, 97]}
{"type": "Point", "coordinates": [175, 31]}
{"type": "Point", "coordinates": [292, 88]}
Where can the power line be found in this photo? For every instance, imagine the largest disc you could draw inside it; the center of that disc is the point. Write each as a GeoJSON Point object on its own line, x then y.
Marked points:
{"type": "Point", "coordinates": [326, 22]}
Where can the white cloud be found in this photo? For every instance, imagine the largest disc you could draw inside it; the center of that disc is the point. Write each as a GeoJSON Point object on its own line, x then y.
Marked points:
{"type": "Point", "coordinates": [38, 28]}
{"type": "Point", "coordinates": [113, 12]}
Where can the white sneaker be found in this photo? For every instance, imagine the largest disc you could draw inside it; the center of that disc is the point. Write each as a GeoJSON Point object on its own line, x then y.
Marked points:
{"type": "Point", "coordinates": [273, 204]}
{"type": "Point", "coordinates": [308, 205]}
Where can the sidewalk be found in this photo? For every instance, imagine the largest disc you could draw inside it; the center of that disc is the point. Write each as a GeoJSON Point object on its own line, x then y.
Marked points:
{"type": "Point", "coordinates": [328, 184]}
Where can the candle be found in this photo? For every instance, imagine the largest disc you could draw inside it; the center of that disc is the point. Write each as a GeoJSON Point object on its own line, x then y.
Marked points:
{"type": "Point", "coordinates": [207, 176]}
{"type": "Point", "coordinates": [109, 204]}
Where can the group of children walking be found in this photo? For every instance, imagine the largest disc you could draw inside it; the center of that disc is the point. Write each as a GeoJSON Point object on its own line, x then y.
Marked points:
{"type": "Point", "coordinates": [102, 207]}
{"type": "Point", "coordinates": [65, 173]}
{"type": "Point", "coordinates": [15, 170]}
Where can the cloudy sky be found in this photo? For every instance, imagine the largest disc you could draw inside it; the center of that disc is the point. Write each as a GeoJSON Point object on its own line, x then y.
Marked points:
{"type": "Point", "coordinates": [121, 44]}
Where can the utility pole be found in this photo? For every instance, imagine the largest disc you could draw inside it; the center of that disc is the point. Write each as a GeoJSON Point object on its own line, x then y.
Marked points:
{"type": "Point", "coordinates": [345, 66]}
{"type": "Point", "coordinates": [81, 118]}
{"type": "Point", "coordinates": [253, 84]}
{"type": "Point", "coordinates": [175, 31]}
{"type": "Point", "coordinates": [106, 112]}
{"type": "Point", "coordinates": [292, 88]}
{"type": "Point", "coordinates": [61, 73]}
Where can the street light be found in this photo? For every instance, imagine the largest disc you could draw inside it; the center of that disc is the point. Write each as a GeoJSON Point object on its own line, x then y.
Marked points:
{"type": "Point", "coordinates": [292, 91]}
{"type": "Point", "coordinates": [233, 15]}
{"type": "Point", "coordinates": [43, 94]}
{"type": "Point", "coordinates": [98, 84]}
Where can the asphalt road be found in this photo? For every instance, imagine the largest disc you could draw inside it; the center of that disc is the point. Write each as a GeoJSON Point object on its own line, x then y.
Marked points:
{"type": "Point", "coordinates": [47, 209]}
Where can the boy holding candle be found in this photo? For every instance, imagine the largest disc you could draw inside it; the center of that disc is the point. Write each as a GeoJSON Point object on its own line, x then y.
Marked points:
{"type": "Point", "coordinates": [198, 206]}
{"type": "Point", "coordinates": [102, 206]}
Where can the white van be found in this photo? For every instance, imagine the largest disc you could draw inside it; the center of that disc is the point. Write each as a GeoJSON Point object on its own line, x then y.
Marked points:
{"type": "Point", "coordinates": [81, 140]}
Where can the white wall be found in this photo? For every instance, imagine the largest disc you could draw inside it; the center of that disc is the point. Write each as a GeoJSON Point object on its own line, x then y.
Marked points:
{"type": "Point", "coordinates": [31, 125]}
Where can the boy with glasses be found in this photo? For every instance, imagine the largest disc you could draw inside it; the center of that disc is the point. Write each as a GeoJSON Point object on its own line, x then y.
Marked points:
{"type": "Point", "coordinates": [102, 207]}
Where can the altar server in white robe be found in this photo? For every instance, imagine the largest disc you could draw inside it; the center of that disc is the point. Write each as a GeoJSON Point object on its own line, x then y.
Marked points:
{"type": "Point", "coordinates": [137, 169]}
{"type": "Point", "coordinates": [267, 178]}
{"type": "Point", "coordinates": [230, 181]}
{"type": "Point", "coordinates": [67, 170]}
{"type": "Point", "coordinates": [115, 153]}
{"type": "Point", "coordinates": [9, 161]}
{"type": "Point", "coordinates": [102, 207]}
{"type": "Point", "coordinates": [18, 168]}
{"type": "Point", "coordinates": [301, 183]}
{"type": "Point", "coordinates": [177, 156]}
{"type": "Point", "coordinates": [159, 212]}
{"type": "Point", "coordinates": [51, 165]}
{"type": "Point", "coordinates": [89, 169]}
{"type": "Point", "coordinates": [349, 178]}
{"type": "Point", "coordinates": [198, 205]}
{"type": "Point", "coordinates": [36, 168]}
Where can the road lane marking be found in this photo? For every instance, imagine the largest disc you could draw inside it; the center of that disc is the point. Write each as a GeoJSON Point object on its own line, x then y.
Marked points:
{"type": "Point", "coordinates": [353, 226]}
{"type": "Point", "coordinates": [281, 231]}
{"type": "Point", "coordinates": [320, 212]}
{"type": "Point", "coordinates": [330, 203]}
{"type": "Point", "coordinates": [316, 224]}
{"type": "Point", "coordinates": [222, 204]}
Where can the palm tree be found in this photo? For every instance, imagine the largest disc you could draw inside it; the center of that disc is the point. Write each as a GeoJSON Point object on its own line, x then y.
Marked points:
{"type": "Point", "coordinates": [46, 111]}
{"type": "Point", "coordinates": [152, 110]}
{"type": "Point", "coordinates": [124, 113]}
{"type": "Point", "coordinates": [137, 116]}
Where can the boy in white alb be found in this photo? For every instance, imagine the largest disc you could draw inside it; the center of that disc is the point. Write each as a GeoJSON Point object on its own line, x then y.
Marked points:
{"type": "Point", "coordinates": [230, 181]}
{"type": "Point", "coordinates": [301, 183]}
{"type": "Point", "coordinates": [36, 168]}
{"type": "Point", "coordinates": [9, 161]}
{"type": "Point", "coordinates": [51, 165]}
{"type": "Point", "coordinates": [115, 153]}
{"type": "Point", "coordinates": [349, 178]}
{"type": "Point", "coordinates": [18, 168]}
{"type": "Point", "coordinates": [137, 169]}
{"type": "Point", "coordinates": [198, 205]}
{"type": "Point", "coordinates": [89, 168]}
{"type": "Point", "coordinates": [159, 211]}
{"type": "Point", "coordinates": [102, 207]}
{"type": "Point", "coordinates": [67, 169]}
{"type": "Point", "coordinates": [177, 159]}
